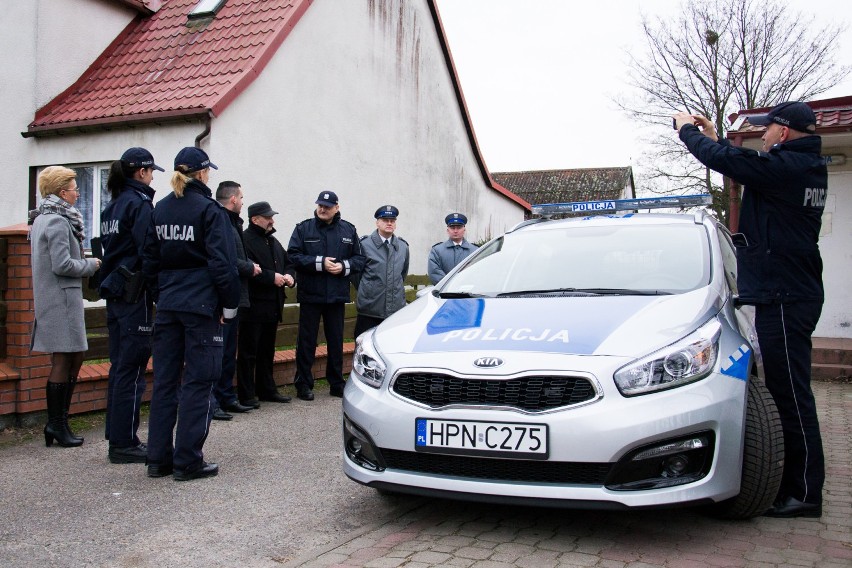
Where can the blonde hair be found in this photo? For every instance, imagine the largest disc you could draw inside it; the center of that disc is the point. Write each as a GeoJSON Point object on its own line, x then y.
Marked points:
{"type": "Point", "coordinates": [54, 179]}
{"type": "Point", "coordinates": [180, 179]}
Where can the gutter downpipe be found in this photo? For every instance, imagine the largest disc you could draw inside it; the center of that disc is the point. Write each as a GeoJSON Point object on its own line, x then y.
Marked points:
{"type": "Point", "coordinates": [734, 191]}
{"type": "Point", "coordinates": [208, 120]}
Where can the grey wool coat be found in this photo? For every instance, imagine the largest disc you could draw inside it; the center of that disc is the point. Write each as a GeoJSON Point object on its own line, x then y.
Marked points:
{"type": "Point", "coordinates": [58, 271]}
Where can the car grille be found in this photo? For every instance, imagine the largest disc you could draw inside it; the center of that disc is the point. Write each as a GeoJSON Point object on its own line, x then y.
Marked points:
{"type": "Point", "coordinates": [533, 394]}
{"type": "Point", "coordinates": [498, 469]}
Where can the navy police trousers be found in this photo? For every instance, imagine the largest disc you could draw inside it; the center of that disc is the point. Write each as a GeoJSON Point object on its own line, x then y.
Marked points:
{"type": "Point", "coordinates": [784, 334]}
{"type": "Point", "coordinates": [187, 364]}
{"type": "Point", "coordinates": [130, 327]}
{"type": "Point", "coordinates": [309, 319]}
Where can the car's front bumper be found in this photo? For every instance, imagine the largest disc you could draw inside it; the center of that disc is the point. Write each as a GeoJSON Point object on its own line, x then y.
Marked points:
{"type": "Point", "coordinates": [592, 437]}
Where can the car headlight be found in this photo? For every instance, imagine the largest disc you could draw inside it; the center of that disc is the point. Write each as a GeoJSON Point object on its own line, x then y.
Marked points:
{"type": "Point", "coordinates": [366, 362]}
{"type": "Point", "coordinates": [688, 360]}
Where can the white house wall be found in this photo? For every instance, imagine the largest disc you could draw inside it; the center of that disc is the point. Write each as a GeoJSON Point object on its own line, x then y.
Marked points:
{"type": "Point", "coordinates": [359, 100]}
{"type": "Point", "coordinates": [45, 45]}
{"type": "Point", "coordinates": [835, 245]}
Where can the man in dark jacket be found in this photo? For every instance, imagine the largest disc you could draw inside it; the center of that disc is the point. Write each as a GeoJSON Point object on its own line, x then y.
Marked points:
{"type": "Point", "coordinates": [229, 194]}
{"type": "Point", "coordinates": [780, 272]}
{"type": "Point", "coordinates": [327, 253]}
{"type": "Point", "coordinates": [259, 321]}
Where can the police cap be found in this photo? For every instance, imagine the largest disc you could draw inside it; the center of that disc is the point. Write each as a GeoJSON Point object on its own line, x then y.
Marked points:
{"type": "Point", "coordinates": [387, 212]}
{"type": "Point", "coordinates": [455, 219]}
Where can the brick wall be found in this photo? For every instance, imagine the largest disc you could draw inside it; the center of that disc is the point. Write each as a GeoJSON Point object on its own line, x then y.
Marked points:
{"type": "Point", "coordinates": [23, 374]}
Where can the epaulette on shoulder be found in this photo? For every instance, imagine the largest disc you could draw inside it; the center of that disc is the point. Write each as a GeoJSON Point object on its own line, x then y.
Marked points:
{"type": "Point", "coordinates": [436, 244]}
{"type": "Point", "coordinates": [364, 237]}
{"type": "Point", "coordinates": [403, 240]}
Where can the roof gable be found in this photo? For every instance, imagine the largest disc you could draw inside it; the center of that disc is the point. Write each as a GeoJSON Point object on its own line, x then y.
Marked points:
{"type": "Point", "coordinates": [163, 67]}
{"type": "Point", "coordinates": [565, 186]}
{"type": "Point", "coordinates": [833, 115]}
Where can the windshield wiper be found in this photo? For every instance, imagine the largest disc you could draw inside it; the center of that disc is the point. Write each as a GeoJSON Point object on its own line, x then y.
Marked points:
{"type": "Point", "coordinates": [461, 295]}
{"type": "Point", "coordinates": [585, 292]}
{"type": "Point", "coordinates": [572, 291]}
{"type": "Point", "coordinates": [625, 292]}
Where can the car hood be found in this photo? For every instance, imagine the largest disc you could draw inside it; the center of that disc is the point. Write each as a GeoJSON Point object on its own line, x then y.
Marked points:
{"type": "Point", "coordinates": [626, 326]}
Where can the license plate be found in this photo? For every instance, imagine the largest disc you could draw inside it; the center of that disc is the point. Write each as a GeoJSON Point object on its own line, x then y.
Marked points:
{"type": "Point", "coordinates": [473, 437]}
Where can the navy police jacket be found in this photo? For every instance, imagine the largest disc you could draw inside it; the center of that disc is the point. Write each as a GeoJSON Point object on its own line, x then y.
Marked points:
{"type": "Point", "coordinates": [778, 258]}
{"type": "Point", "coordinates": [124, 224]}
{"type": "Point", "coordinates": [311, 242]}
{"type": "Point", "coordinates": [191, 254]}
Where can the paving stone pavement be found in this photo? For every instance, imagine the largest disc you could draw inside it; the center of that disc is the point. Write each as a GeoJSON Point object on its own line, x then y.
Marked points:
{"type": "Point", "coordinates": [439, 533]}
{"type": "Point", "coordinates": [281, 500]}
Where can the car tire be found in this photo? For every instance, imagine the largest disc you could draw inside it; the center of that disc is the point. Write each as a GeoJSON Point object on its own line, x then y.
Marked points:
{"type": "Point", "coordinates": [763, 457]}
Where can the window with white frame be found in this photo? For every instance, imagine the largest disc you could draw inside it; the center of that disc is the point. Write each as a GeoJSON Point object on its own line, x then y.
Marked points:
{"type": "Point", "coordinates": [94, 196]}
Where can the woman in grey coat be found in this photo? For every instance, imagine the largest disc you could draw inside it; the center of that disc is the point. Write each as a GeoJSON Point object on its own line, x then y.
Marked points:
{"type": "Point", "coordinates": [58, 269]}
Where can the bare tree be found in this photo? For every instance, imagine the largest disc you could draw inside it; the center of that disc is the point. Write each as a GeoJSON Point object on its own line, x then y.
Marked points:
{"type": "Point", "coordinates": [716, 57]}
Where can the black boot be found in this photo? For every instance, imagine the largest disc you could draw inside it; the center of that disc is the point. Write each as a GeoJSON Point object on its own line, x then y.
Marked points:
{"type": "Point", "coordinates": [57, 425]}
{"type": "Point", "coordinates": [72, 382]}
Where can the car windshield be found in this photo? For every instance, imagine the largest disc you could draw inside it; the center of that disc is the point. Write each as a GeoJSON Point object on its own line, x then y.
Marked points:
{"type": "Point", "coordinates": [581, 259]}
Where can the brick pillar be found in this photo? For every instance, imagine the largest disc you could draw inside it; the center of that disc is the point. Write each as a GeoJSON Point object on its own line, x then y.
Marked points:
{"type": "Point", "coordinates": [22, 375]}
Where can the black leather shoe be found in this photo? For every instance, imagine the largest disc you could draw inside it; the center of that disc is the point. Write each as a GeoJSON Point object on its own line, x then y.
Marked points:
{"type": "Point", "coordinates": [252, 403]}
{"type": "Point", "coordinates": [336, 391]}
{"type": "Point", "coordinates": [276, 397]}
{"type": "Point", "coordinates": [305, 395]}
{"type": "Point", "coordinates": [221, 415]}
{"type": "Point", "coordinates": [788, 508]}
{"type": "Point", "coordinates": [237, 407]}
{"type": "Point", "coordinates": [159, 469]}
{"type": "Point", "coordinates": [206, 470]}
{"type": "Point", "coordinates": [133, 454]}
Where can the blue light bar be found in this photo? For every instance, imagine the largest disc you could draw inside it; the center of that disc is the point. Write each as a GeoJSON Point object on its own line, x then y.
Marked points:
{"type": "Point", "coordinates": [603, 207]}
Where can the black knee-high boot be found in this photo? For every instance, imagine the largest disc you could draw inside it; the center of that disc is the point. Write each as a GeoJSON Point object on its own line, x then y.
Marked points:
{"type": "Point", "coordinates": [57, 425]}
{"type": "Point", "coordinates": [72, 382]}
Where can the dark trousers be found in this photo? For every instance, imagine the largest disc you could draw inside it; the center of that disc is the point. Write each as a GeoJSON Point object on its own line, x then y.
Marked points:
{"type": "Point", "coordinates": [784, 333]}
{"type": "Point", "coordinates": [254, 361]}
{"type": "Point", "coordinates": [363, 323]}
{"type": "Point", "coordinates": [129, 327]}
{"type": "Point", "coordinates": [309, 319]}
{"type": "Point", "coordinates": [223, 392]}
{"type": "Point", "coordinates": [187, 363]}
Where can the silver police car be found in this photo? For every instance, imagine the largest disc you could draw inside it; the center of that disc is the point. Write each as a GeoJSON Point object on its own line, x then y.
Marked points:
{"type": "Point", "coordinates": [594, 362]}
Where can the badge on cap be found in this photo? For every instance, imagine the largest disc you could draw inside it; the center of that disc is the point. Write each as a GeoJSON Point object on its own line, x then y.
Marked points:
{"type": "Point", "coordinates": [455, 219]}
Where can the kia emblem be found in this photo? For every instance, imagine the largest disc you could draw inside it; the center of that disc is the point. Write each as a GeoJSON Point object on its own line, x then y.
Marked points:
{"type": "Point", "coordinates": [488, 362]}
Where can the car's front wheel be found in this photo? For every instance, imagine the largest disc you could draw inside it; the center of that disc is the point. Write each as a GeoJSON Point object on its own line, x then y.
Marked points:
{"type": "Point", "coordinates": [763, 457]}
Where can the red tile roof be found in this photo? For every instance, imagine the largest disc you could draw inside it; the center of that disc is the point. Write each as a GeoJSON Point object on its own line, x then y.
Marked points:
{"type": "Point", "coordinates": [163, 67]}
{"type": "Point", "coordinates": [565, 186]}
{"type": "Point", "coordinates": [833, 115]}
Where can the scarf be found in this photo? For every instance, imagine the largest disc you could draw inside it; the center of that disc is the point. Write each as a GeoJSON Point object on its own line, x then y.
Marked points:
{"type": "Point", "coordinates": [58, 206]}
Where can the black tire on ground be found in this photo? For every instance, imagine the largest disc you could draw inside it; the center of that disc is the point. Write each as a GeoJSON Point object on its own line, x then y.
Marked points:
{"type": "Point", "coordinates": [763, 457]}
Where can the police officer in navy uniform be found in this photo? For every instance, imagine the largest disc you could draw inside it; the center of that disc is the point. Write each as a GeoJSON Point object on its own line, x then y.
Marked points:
{"type": "Point", "coordinates": [191, 255]}
{"type": "Point", "coordinates": [780, 272]}
{"type": "Point", "coordinates": [446, 255]}
{"type": "Point", "coordinates": [381, 285]}
{"type": "Point", "coordinates": [124, 225]}
{"type": "Point", "coordinates": [326, 252]}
